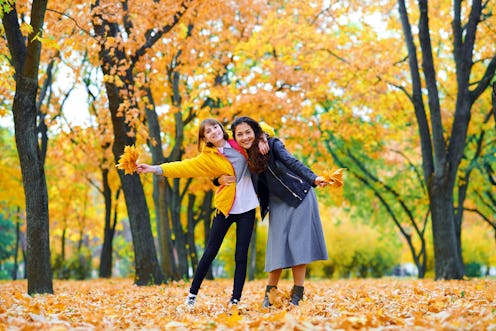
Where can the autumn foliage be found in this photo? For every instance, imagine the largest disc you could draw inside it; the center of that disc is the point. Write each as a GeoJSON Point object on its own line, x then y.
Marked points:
{"type": "Point", "coordinates": [329, 305]}
{"type": "Point", "coordinates": [324, 78]}
{"type": "Point", "coordinates": [334, 178]}
{"type": "Point", "coordinates": [127, 161]}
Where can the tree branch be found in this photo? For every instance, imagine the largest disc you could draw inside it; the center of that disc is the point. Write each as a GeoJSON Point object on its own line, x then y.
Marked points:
{"type": "Point", "coordinates": [153, 37]}
{"type": "Point", "coordinates": [423, 126]}
{"type": "Point", "coordinates": [73, 20]}
{"type": "Point", "coordinates": [15, 40]}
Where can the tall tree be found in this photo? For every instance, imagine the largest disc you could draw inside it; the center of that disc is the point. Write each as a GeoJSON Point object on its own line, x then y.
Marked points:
{"type": "Point", "coordinates": [25, 57]}
{"type": "Point", "coordinates": [196, 60]}
{"type": "Point", "coordinates": [441, 154]}
{"type": "Point", "coordinates": [119, 60]}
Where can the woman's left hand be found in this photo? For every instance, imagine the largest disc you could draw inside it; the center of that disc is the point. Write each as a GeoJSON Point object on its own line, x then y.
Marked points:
{"type": "Point", "coordinates": [320, 181]}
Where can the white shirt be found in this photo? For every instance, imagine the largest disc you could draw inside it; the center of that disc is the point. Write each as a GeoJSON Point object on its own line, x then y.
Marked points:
{"type": "Point", "coordinates": [246, 198]}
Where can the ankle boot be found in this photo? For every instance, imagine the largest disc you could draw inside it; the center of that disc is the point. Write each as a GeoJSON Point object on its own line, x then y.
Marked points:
{"type": "Point", "coordinates": [266, 302]}
{"type": "Point", "coordinates": [296, 295]}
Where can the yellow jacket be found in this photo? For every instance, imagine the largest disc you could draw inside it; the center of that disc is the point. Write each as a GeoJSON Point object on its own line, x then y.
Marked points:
{"type": "Point", "coordinates": [209, 163]}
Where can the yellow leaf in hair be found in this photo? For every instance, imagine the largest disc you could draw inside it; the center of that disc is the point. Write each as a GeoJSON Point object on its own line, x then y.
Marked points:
{"type": "Point", "coordinates": [334, 178]}
{"type": "Point", "coordinates": [267, 129]}
{"type": "Point", "coordinates": [127, 161]}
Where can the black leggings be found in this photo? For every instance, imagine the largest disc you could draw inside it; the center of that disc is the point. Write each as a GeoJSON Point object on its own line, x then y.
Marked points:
{"type": "Point", "coordinates": [220, 225]}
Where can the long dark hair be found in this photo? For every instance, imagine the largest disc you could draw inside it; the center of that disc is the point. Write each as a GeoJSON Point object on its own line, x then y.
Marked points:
{"type": "Point", "coordinates": [201, 132]}
{"type": "Point", "coordinates": [257, 162]}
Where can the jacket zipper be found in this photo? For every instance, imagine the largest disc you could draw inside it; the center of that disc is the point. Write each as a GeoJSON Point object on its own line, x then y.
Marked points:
{"type": "Point", "coordinates": [282, 183]}
{"type": "Point", "coordinates": [295, 177]}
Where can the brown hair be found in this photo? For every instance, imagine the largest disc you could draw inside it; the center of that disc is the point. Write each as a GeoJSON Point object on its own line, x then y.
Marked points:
{"type": "Point", "coordinates": [257, 162]}
{"type": "Point", "coordinates": [201, 132]}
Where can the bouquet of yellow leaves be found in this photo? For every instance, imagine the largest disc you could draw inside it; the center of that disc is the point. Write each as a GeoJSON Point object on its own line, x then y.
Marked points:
{"type": "Point", "coordinates": [334, 178]}
{"type": "Point", "coordinates": [127, 161]}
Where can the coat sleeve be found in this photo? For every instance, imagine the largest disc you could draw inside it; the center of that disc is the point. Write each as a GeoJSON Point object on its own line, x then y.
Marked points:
{"type": "Point", "coordinates": [189, 168]}
{"type": "Point", "coordinates": [292, 163]}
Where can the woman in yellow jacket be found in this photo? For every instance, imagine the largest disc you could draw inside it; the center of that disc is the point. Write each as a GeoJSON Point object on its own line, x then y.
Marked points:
{"type": "Point", "coordinates": [235, 203]}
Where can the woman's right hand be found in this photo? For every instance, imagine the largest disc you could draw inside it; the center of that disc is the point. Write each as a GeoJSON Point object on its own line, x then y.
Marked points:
{"type": "Point", "coordinates": [320, 181]}
{"type": "Point", "coordinates": [226, 179]}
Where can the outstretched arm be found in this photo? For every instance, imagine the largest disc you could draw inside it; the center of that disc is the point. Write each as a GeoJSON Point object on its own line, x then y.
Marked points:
{"type": "Point", "coordinates": [199, 166]}
{"type": "Point", "coordinates": [142, 168]}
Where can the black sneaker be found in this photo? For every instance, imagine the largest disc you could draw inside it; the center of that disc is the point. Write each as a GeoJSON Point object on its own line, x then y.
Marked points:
{"type": "Point", "coordinates": [233, 302]}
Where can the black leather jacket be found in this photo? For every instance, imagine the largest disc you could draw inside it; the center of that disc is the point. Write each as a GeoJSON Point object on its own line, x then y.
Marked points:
{"type": "Point", "coordinates": [286, 177]}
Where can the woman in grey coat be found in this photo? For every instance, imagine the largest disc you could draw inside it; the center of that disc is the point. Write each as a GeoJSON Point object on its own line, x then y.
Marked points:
{"type": "Point", "coordinates": [285, 189]}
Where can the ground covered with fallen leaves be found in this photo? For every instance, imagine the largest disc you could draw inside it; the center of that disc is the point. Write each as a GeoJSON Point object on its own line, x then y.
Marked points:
{"type": "Point", "coordinates": [382, 304]}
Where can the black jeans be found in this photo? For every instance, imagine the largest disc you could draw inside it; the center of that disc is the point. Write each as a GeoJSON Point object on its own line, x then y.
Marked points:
{"type": "Point", "coordinates": [220, 225]}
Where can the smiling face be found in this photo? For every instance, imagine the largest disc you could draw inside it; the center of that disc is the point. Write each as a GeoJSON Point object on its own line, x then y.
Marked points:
{"type": "Point", "coordinates": [214, 134]}
{"type": "Point", "coordinates": [244, 135]}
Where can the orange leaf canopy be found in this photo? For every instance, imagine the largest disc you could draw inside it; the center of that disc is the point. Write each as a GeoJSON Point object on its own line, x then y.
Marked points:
{"type": "Point", "coordinates": [127, 161]}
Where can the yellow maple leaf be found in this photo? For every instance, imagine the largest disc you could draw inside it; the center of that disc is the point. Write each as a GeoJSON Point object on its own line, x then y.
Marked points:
{"type": "Point", "coordinates": [334, 178]}
{"type": "Point", "coordinates": [230, 319]}
{"type": "Point", "coordinates": [127, 161]}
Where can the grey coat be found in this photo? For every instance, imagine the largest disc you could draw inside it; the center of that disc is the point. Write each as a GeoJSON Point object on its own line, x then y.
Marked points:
{"type": "Point", "coordinates": [285, 192]}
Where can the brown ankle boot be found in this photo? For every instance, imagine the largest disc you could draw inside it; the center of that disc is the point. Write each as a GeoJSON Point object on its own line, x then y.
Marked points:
{"type": "Point", "coordinates": [266, 302]}
{"type": "Point", "coordinates": [296, 295]}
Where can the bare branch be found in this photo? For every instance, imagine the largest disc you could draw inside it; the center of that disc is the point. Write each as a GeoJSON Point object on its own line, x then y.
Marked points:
{"type": "Point", "coordinates": [73, 20]}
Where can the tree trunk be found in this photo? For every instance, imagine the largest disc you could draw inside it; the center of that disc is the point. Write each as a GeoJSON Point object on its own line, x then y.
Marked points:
{"type": "Point", "coordinates": [190, 234]}
{"type": "Point", "coordinates": [26, 61]}
{"type": "Point", "coordinates": [179, 233]}
{"type": "Point", "coordinates": [146, 262]}
{"type": "Point", "coordinates": [62, 242]}
{"type": "Point", "coordinates": [39, 270]}
{"type": "Point", "coordinates": [17, 241]}
{"type": "Point", "coordinates": [168, 257]}
{"type": "Point", "coordinates": [207, 219]}
{"type": "Point", "coordinates": [24, 248]}
{"type": "Point", "coordinates": [448, 263]}
{"type": "Point", "coordinates": [175, 195]}
{"type": "Point", "coordinates": [159, 194]}
{"type": "Point", "coordinates": [108, 232]}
